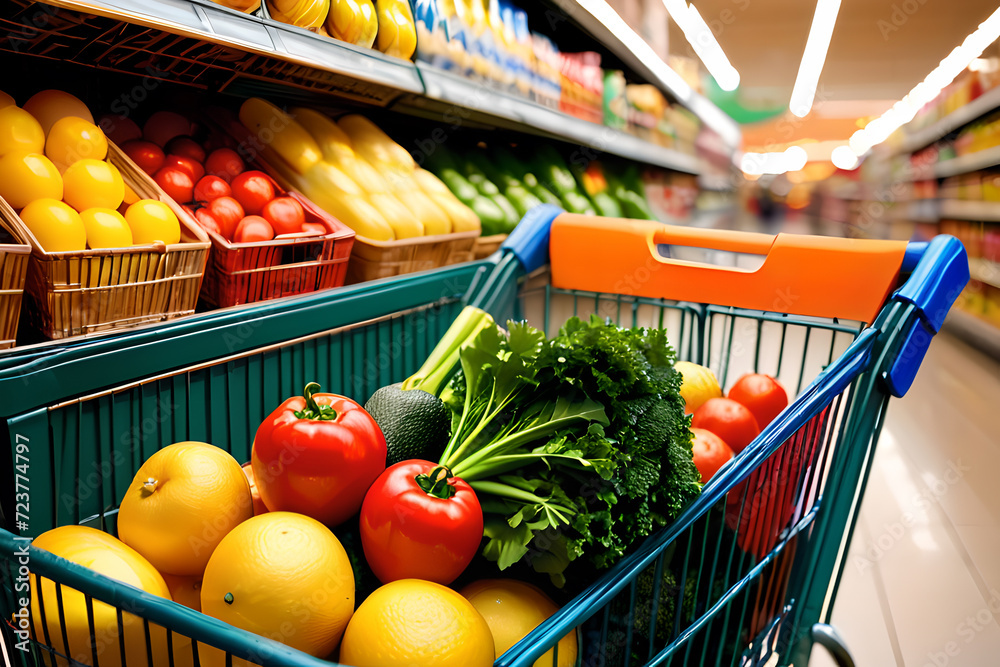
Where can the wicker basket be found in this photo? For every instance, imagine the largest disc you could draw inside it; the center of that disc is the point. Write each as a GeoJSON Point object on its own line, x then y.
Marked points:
{"type": "Point", "coordinates": [372, 259]}
{"type": "Point", "coordinates": [13, 271]}
{"type": "Point", "coordinates": [85, 291]}
{"type": "Point", "coordinates": [487, 245]}
{"type": "Point", "coordinates": [247, 272]}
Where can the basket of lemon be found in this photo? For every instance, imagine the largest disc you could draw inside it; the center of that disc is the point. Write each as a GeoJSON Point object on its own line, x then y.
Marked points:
{"type": "Point", "coordinates": [109, 248]}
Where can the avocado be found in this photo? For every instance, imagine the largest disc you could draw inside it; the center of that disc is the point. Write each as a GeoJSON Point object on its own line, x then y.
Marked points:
{"type": "Point", "coordinates": [415, 423]}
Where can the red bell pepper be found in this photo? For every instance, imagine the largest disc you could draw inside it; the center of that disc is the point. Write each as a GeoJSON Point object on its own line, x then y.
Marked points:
{"type": "Point", "coordinates": [420, 522]}
{"type": "Point", "coordinates": [317, 454]}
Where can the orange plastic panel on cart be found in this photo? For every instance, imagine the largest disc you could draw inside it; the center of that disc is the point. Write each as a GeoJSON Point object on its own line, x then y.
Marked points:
{"type": "Point", "coordinates": [801, 275]}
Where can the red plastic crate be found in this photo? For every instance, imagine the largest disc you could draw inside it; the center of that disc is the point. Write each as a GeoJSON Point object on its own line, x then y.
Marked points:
{"type": "Point", "coordinates": [285, 266]}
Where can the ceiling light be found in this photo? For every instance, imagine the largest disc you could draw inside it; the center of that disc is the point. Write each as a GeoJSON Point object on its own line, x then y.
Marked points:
{"type": "Point", "coordinates": [924, 92]}
{"type": "Point", "coordinates": [814, 56]}
{"type": "Point", "coordinates": [705, 46]}
{"type": "Point", "coordinates": [844, 158]}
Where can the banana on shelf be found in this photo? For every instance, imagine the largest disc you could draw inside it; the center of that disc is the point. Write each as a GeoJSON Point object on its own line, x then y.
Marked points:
{"type": "Point", "coordinates": [397, 31]}
{"type": "Point", "coordinates": [352, 21]}
{"type": "Point", "coordinates": [356, 172]}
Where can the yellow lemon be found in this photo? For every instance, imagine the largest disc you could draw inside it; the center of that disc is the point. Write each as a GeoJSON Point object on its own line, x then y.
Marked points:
{"type": "Point", "coordinates": [284, 576]}
{"type": "Point", "coordinates": [512, 609]}
{"type": "Point", "coordinates": [55, 225]}
{"type": "Point", "coordinates": [104, 554]}
{"type": "Point", "coordinates": [25, 177]}
{"type": "Point", "coordinates": [72, 139]}
{"type": "Point", "coordinates": [416, 623]}
{"type": "Point", "coordinates": [699, 384]}
{"type": "Point", "coordinates": [152, 221]}
{"type": "Point", "coordinates": [6, 100]}
{"type": "Point", "coordinates": [106, 228]}
{"type": "Point", "coordinates": [19, 132]}
{"type": "Point", "coordinates": [48, 106]}
{"type": "Point", "coordinates": [183, 500]}
{"type": "Point", "coordinates": [93, 184]}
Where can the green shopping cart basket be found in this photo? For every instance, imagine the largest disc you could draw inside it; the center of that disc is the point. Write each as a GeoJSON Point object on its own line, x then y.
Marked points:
{"type": "Point", "coordinates": [747, 574]}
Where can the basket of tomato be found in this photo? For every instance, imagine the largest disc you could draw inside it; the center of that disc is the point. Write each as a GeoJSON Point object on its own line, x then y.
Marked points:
{"type": "Point", "coordinates": [266, 243]}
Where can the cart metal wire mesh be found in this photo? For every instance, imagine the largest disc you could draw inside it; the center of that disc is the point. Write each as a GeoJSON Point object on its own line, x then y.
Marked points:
{"type": "Point", "coordinates": [741, 578]}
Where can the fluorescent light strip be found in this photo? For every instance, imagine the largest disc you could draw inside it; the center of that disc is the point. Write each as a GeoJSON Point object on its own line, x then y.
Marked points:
{"type": "Point", "coordinates": [903, 111]}
{"type": "Point", "coordinates": [705, 46]}
{"type": "Point", "coordinates": [711, 115]}
{"type": "Point", "coordinates": [814, 57]}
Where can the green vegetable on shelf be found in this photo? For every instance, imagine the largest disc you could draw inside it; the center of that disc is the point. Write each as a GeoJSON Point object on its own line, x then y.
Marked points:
{"type": "Point", "coordinates": [627, 188]}
{"type": "Point", "coordinates": [575, 202]}
{"type": "Point", "coordinates": [493, 218]}
{"type": "Point", "coordinates": [552, 172]}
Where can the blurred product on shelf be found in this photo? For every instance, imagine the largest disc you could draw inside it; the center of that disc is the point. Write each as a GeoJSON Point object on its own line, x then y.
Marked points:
{"type": "Point", "coordinates": [489, 41]}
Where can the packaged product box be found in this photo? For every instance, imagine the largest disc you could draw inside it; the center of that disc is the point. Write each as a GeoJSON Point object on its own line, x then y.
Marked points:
{"type": "Point", "coordinates": [615, 103]}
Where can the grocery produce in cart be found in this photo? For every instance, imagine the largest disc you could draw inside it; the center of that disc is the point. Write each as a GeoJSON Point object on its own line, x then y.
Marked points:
{"type": "Point", "coordinates": [536, 420]}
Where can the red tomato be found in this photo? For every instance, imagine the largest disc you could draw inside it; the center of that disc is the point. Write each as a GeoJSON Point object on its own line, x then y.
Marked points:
{"type": "Point", "coordinates": [186, 147]}
{"type": "Point", "coordinates": [119, 129]}
{"type": "Point", "coordinates": [175, 182]}
{"type": "Point", "coordinates": [253, 228]}
{"type": "Point", "coordinates": [194, 169]}
{"type": "Point", "coordinates": [147, 155]}
{"type": "Point", "coordinates": [285, 214]}
{"type": "Point", "coordinates": [727, 419]}
{"type": "Point", "coordinates": [710, 453]}
{"type": "Point", "coordinates": [315, 228]}
{"type": "Point", "coordinates": [224, 163]}
{"type": "Point", "coordinates": [258, 505]}
{"type": "Point", "coordinates": [211, 187]}
{"type": "Point", "coordinates": [317, 455]}
{"type": "Point", "coordinates": [252, 189]}
{"type": "Point", "coordinates": [207, 222]}
{"type": "Point", "coordinates": [762, 395]}
{"type": "Point", "coordinates": [163, 126]}
{"type": "Point", "coordinates": [419, 523]}
{"type": "Point", "coordinates": [227, 213]}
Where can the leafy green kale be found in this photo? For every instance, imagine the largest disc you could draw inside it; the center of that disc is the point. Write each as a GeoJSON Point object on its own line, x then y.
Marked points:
{"type": "Point", "coordinates": [577, 447]}
{"type": "Point", "coordinates": [629, 371]}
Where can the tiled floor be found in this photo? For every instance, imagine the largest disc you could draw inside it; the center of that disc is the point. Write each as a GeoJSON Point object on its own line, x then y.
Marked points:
{"type": "Point", "coordinates": [922, 584]}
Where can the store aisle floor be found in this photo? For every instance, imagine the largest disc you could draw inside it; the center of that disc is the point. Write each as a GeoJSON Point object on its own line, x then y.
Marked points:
{"type": "Point", "coordinates": [922, 584]}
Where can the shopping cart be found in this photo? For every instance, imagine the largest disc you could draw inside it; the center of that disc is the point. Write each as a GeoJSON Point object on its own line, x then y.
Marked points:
{"type": "Point", "coordinates": [746, 575]}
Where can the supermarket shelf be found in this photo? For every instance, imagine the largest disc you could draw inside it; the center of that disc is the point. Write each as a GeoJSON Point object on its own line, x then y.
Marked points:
{"type": "Point", "coordinates": [972, 162]}
{"type": "Point", "coordinates": [363, 74]}
{"type": "Point", "coordinates": [604, 24]}
{"type": "Point", "coordinates": [959, 209]}
{"type": "Point", "coordinates": [448, 93]}
{"type": "Point", "coordinates": [974, 329]}
{"type": "Point", "coordinates": [985, 271]}
{"type": "Point", "coordinates": [225, 49]}
{"type": "Point", "coordinates": [983, 104]}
